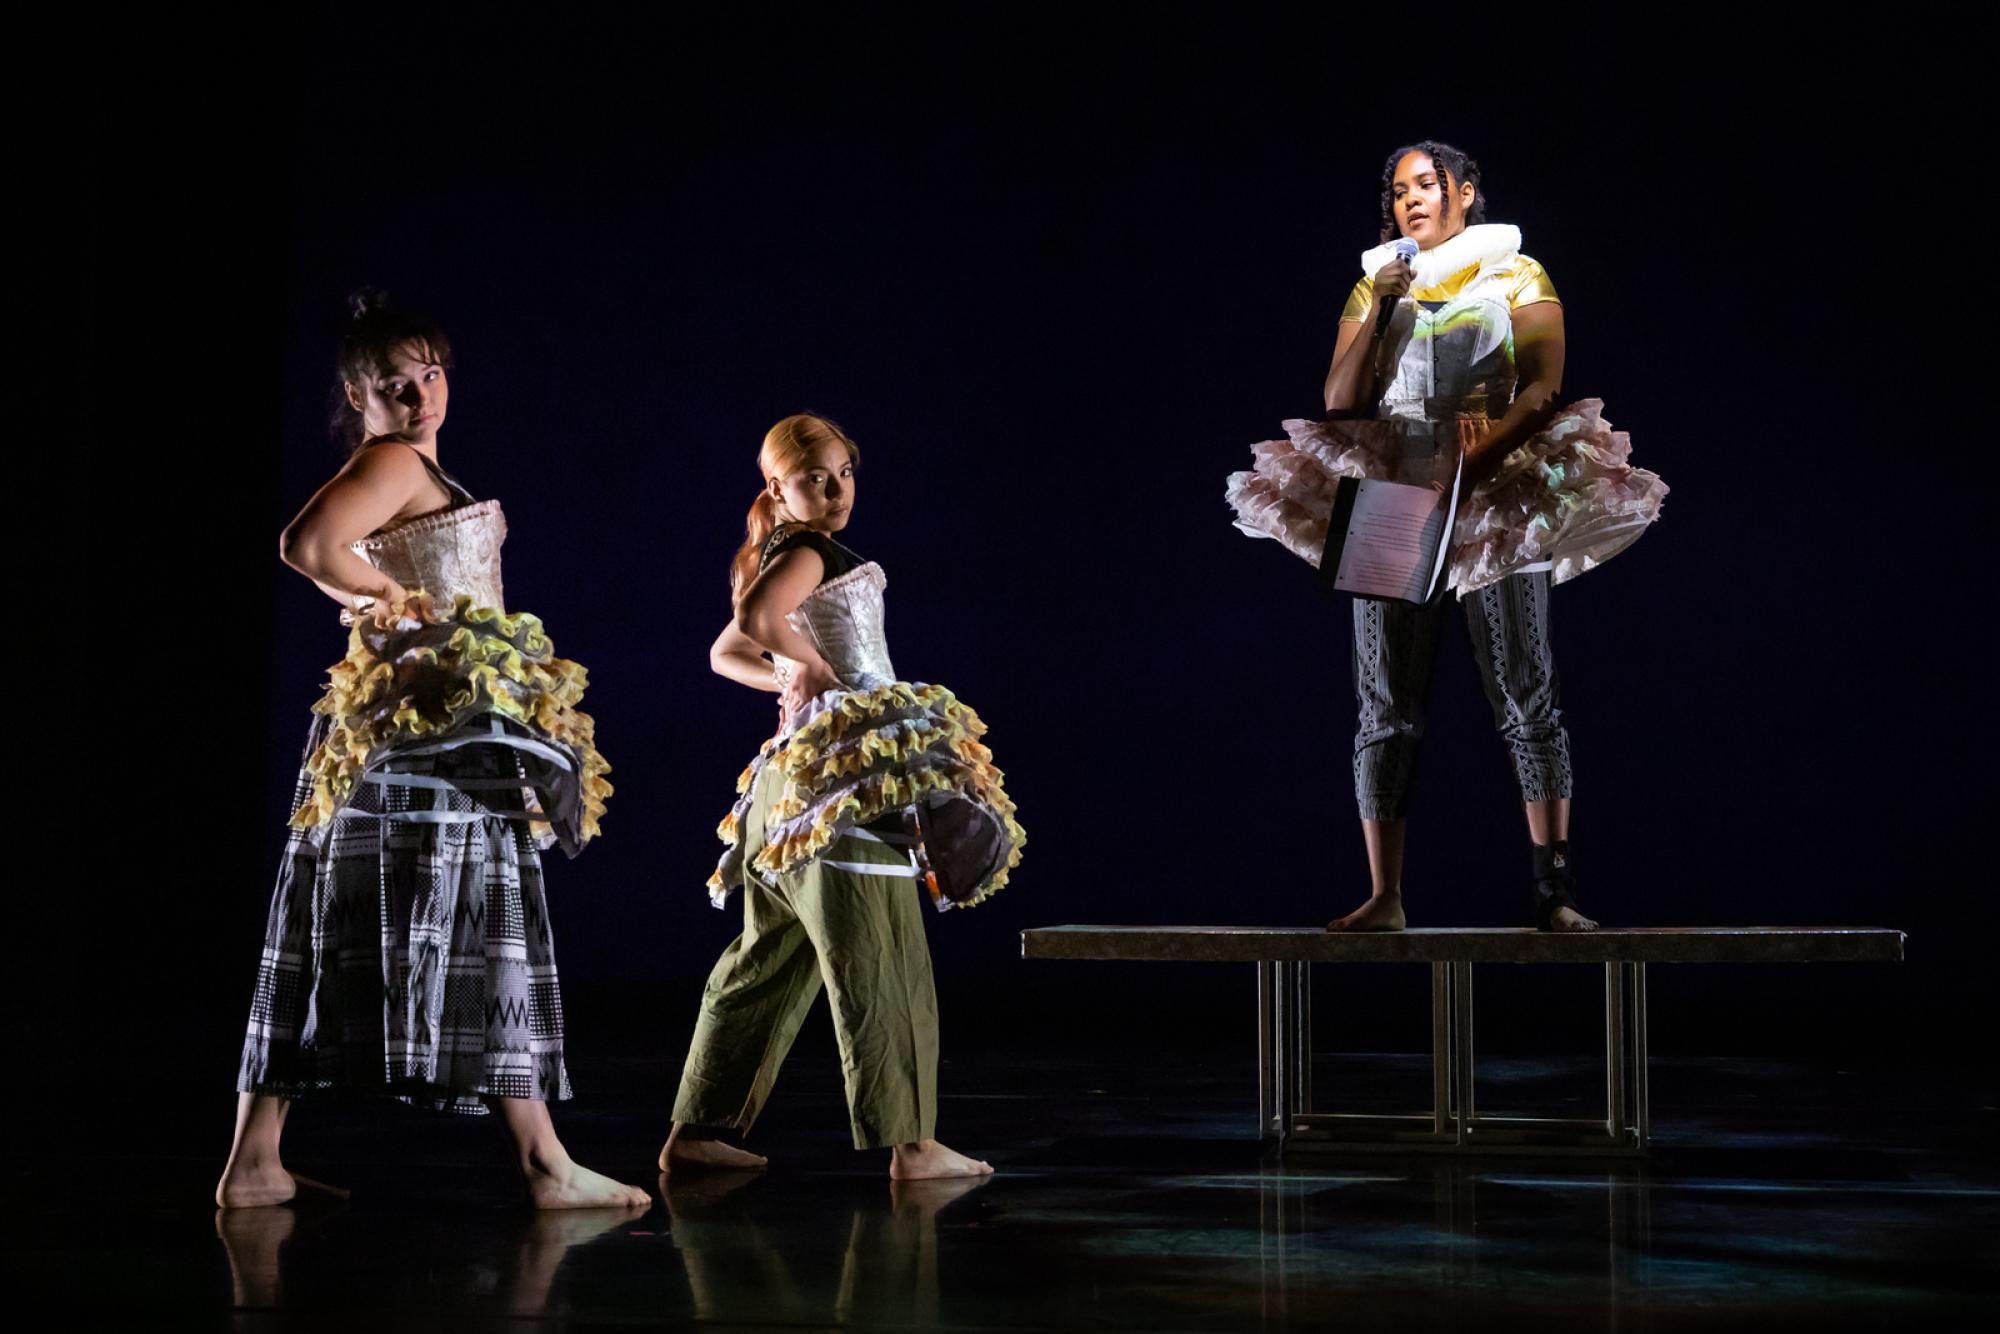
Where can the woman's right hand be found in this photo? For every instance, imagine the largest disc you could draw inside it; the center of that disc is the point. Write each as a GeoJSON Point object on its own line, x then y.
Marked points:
{"type": "Point", "coordinates": [382, 604]}
{"type": "Point", "coordinates": [387, 608]}
{"type": "Point", "coordinates": [1393, 279]}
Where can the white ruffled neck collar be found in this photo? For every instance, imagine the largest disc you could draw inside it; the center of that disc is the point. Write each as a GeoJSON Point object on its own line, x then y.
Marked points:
{"type": "Point", "coordinates": [1481, 243]}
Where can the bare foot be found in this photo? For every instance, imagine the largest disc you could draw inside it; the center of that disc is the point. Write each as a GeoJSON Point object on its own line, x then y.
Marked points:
{"type": "Point", "coordinates": [1569, 919]}
{"type": "Point", "coordinates": [1382, 912]}
{"type": "Point", "coordinates": [686, 1152]}
{"type": "Point", "coordinates": [255, 1185]}
{"type": "Point", "coordinates": [563, 1184]}
{"type": "Point", "coordinates": [926, 1160]}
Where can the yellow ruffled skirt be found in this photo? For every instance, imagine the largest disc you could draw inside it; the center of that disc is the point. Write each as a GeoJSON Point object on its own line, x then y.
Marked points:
{"type": "Point", "coordinates": [434, 676]}
{"type": "Point", "coordinates": [861, 756]}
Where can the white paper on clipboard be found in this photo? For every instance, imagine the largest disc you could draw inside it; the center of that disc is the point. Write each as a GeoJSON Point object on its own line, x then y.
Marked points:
{"type": "Point", "coordinates": [1390, 539]}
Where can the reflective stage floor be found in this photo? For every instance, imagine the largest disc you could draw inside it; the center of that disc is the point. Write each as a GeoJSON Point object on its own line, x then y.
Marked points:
{"type": "Point", "coordinates": [1780, 1195]}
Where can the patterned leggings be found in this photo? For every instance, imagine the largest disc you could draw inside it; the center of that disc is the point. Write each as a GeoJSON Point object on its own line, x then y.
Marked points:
{"type": "Point", "coordinates": [1395, 648]}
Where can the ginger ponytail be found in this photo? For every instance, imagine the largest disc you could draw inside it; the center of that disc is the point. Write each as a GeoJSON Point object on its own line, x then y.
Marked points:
{"type": "Point", "coordinates": [763, 521]}
{"type": "Point", "coordinates": [787, 445]}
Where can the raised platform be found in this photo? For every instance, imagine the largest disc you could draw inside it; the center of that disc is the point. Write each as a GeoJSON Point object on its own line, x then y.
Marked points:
{"type": "Point", "coordinates": [1468, 944]}
{"type": "Point", "coordinates": [1284, 957]}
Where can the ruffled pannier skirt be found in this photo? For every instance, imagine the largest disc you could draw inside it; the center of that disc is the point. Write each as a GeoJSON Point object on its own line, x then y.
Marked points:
{"type": "Point", "coordinates": [408, 948]}
{"type": "Point", "coordinates": [860, 758]}
{"type": "Point", "coordinates": [1565, 501]}
{"type": "Point", "coordinates": [440, 674]}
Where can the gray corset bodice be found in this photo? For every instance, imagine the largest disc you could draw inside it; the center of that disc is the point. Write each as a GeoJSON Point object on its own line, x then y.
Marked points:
{"type": "Point", "coordinates": [447, 553]}
{"type": "Point", "coordinates": [843, 619]}
{"type": "Point", "coordinates": [1455, 359]}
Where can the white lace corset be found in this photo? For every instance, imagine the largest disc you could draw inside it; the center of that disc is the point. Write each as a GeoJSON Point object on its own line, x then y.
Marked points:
{"type": "Point", "coordinates": [446, 553]}
{"type": "Point", "coordinates": [843, 619]}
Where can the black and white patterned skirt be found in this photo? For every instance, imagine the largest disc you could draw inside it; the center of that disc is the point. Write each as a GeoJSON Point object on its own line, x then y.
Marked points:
{"type": "Point", "coordinates": [408, 949]}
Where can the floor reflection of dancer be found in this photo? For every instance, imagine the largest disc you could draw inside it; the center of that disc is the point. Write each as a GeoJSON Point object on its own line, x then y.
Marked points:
{"type": "Point", "coordinates": [875, 1267]}
{"type": "Point", "coordinates": [872, 787]}
{"type": "Point", "coordinates": [1469, 364]}
{"type": "Point", "coordinates": [408, 948]}
{"type": "Point", "coordinates": [254, 1242]}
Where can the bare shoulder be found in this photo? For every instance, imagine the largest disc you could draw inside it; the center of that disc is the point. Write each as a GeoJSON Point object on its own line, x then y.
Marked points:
{"type": "Point", "coordinates": [785, 581]}
{"type": "Point", "coordinates": [387, 461]}
{"type": "Point", "coordinates": [794, 563]}
{"type": "Point", "coordinates": [395, 473]}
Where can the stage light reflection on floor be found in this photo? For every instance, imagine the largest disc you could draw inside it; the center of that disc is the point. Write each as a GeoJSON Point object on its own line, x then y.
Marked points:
{"type": "Point", "coordinates": [1147, 1206]}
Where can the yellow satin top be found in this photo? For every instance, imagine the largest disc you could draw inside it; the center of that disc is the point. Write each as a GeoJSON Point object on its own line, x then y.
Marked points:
{"type": "Point", "coordinates": [1526, 283]}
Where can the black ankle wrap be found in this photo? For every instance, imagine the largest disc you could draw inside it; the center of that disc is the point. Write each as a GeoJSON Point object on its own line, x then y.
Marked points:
{"type": "Point", "coordinates": [1552, 883]}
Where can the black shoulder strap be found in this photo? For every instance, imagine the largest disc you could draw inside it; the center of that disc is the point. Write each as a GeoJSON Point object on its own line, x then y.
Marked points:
{"type": "Point", "coordinates": [783, 533]}
{"type": "Point", "coordinates": [452, 487]}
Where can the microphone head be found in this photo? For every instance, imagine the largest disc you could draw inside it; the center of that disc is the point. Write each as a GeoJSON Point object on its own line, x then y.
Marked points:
{"type": "Point", "coordinates": [1406, 249]}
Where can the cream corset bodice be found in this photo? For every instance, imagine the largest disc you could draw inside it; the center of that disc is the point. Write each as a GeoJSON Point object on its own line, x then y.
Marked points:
{"type": "Point", "coordinates": [445, 554]}
{"type": "Point", "coordinates": [843, 619]}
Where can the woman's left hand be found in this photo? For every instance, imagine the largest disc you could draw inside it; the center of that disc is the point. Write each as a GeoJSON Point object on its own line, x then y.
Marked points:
{"type": "Point", "coordinates": [1480, 461]}
{"type": "Point", "coordinates": [803, 684]}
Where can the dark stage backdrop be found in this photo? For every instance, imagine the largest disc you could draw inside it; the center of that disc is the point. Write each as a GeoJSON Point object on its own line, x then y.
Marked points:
{"type": "Point", "coordinates": [1056, 283]}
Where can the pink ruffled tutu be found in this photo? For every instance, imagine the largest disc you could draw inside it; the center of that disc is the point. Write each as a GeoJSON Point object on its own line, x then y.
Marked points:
{"type": "Point", "coordinates": [1565, 501]}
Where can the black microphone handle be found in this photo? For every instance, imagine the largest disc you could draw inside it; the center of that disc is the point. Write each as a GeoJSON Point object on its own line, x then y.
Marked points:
{"type": "Point", "coordinates": [1384, 312]}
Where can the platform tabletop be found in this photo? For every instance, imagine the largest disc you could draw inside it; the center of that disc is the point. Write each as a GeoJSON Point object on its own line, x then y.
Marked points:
{"type": "Point", "coordinates": [1676, 944]}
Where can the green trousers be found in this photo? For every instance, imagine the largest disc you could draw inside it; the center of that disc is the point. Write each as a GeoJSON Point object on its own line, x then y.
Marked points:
{"type": "Point", "coordinates": [851, 920]}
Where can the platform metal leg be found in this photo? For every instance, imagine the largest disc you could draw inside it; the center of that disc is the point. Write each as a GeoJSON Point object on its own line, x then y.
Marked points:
{"type": "Point", "coordinates": [1461, 1051]}
{"type": "Point", "coordinates": [1441, 1050]}
{"type": "Point", "coordinates": [1267, 1049]}
{"type": "Point", "coordinates": [1302, 1038]}
{"type": "Point", "coordinates": [1642, 1117]}
{"type": "Point", "coordinates": [1614, 1052]}
{"type": "Point", "coordinates": [1284, 1064]}
{"type": "Point", "coordinates": [1284, 1046]}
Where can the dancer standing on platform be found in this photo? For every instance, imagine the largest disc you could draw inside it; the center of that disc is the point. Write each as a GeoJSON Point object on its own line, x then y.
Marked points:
{"type": "Point", "coordinates": [408, 949]}
{"type": "Point", "coordinates": [1459, 351]}
{"type": "Point", "coordinates": [873, 792]}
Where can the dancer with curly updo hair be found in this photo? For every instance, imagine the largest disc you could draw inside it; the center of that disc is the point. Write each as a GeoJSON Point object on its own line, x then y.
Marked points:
{"type": "Point", "coordinates": [408, 949]}
{"type": "Point", "coordinates": [1450, 355]}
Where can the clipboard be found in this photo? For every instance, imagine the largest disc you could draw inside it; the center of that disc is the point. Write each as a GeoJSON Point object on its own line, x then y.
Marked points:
{"type": "Point", "coordinates": [1389, 541]}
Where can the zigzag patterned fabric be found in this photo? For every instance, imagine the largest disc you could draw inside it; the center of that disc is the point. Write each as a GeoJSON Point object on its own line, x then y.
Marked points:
{"type": "Point", "coordinates": [407, 955]}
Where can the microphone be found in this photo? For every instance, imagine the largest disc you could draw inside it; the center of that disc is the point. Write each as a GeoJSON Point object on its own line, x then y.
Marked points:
{"type": "Point", "coordinates": [1406, 250]}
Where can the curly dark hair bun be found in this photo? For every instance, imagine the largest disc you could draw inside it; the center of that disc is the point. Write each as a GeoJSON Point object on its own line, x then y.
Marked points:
{"type": "Point", "coordinates": [365, 301]}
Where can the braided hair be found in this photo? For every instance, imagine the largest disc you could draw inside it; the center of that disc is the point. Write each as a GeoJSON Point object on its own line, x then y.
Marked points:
{"type": "Point", "coordinates": [1454, 165]}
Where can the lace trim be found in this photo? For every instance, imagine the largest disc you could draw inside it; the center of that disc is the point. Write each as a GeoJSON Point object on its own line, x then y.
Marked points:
{"type": "Point", "coordinates": [432, 522]}
{"type": "Point", "coordinates": [866, 572]}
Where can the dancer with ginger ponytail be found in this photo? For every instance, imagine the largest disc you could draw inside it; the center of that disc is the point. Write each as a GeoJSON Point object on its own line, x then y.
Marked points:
{"type": "Point", "coordinates": [875, 793]}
